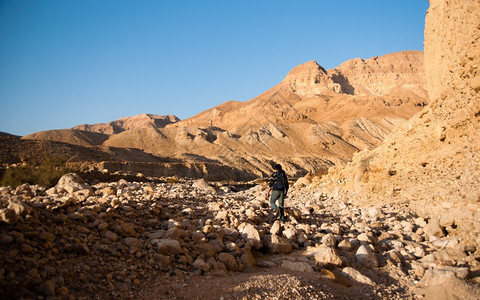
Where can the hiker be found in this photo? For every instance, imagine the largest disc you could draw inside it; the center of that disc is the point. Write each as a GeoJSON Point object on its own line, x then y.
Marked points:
{"type": "Point", "coordinates": [279, 184]}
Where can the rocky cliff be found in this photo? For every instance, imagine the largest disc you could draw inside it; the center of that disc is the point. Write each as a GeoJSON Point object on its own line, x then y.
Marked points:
{"type": "Point", "coordinates": [432, 162]}
{"type": "Point", "coordinates": [129, 123]}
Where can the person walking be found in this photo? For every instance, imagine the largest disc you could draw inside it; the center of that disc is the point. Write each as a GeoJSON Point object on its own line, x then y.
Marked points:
{"type": "Point", "coordinates": [277, 191]}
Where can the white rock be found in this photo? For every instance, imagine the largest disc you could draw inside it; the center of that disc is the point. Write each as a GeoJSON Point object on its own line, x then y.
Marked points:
{"type": "Point", "coordinates": [366, 257]}
{"type": "Point", "coordinates": [329, 240]}
{"type": "Point", "coordinates": [250, 233]}
{"type": "Point", "coordinates": [327, 255]}
{"type": "Point", "coordinates": [357, 276]}
{"type": "Point", "coordinates": [299, 266]}
{"type": "Point", "coordinates": [276, 227]}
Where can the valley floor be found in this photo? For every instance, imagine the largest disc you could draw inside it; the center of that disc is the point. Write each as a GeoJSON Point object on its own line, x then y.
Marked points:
{"type": "Point", "coordinates": [195, 240]}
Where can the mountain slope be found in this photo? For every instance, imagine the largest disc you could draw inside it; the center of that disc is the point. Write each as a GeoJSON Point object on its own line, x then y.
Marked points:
{"type": "Point", "coordinates": [71, 136]}
{"type": "Point", "coordinates": [311, 120]}
{"type": "Point", "coordinates": [128, 123]}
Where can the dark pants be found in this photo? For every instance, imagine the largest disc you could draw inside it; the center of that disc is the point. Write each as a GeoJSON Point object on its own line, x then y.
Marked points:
{"type": "Point", "coordinates": [278, 195]}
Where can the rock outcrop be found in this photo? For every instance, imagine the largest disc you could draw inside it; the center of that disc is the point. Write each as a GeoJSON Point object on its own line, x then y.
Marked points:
{"type": "Point", "coordinates": [129, 123]}
{"type": "Point", "coordinates": [432, 162]}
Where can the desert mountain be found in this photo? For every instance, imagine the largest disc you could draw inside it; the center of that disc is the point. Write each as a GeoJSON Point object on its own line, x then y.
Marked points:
{"type": "Point", "coordinates": [71, 136]}
{"type": "Point", "coordinates": [310, 121]}
{"type": "Point", "coordinates": [129, 123]}
{"type": "Point", "coordinates": [432, 162]}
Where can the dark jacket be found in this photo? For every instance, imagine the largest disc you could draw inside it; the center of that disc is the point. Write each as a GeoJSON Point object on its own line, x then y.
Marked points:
{"type": "Point", "coordinates": [279, 181]}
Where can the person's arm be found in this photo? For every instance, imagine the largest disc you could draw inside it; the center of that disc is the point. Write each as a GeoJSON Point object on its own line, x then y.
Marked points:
{"type": "Point", "coordinates": [268, 192]}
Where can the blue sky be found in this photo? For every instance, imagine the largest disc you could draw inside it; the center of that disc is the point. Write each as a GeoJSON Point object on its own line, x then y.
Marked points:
{"type": "Point", "coordinates": [65, 63]}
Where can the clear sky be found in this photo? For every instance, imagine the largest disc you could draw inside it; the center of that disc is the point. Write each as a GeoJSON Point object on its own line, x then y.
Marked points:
{"type": "Point", "coordinates": [65, 63]}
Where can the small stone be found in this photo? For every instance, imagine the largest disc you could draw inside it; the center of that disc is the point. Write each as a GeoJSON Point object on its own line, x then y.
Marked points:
{"type": "Point", "coordinates": [47, 288]}
{"type": "Point", "coordinates": [8, 216]}
{"type": "Point", "coordinates": [249, 232]}
{"type": "Point", "coordinates": [329, 240]}
{"type": "Point", "coordinates": [201, 264]}
{"type": "Point", "coordinates": [109, 235]}
{"type": "Point", "coordinates": [433, 228]}
{"type": "Point", "coordinates": [475, 83]}
{"type": "Point", "coordinates": [133, 243]}
{"type": "Point", "coordinates": [6, 238]}
{"type": "Point", "coordinates": [248, 261]}
{"type": "Point", "coordinates": [345, 245]}
{"type": "Point", "coordinates": [168, 246]}
{"type": "Point", "coordinates": [126, 230]}
{"type": "Point", "coordinates": [102, 226]}
{"type": "Point", "coordinates": [355, 275]}
{"type": "Point", "coordinates": [298, 266]}
{"type": "Point", "coordinates": [366, 257]}
{"type": "Point", "coordinates": [206, 249]}
{"type": "Point", "coordinates": [46, 236]}
{"type": "Point", "coordinates": [276, 227]}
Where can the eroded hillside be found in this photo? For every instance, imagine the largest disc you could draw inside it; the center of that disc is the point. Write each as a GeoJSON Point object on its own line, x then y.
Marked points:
{"type": "Point", "coordinates": [432, 162]}
{"type": "Point", "coordinates": [312, 120]}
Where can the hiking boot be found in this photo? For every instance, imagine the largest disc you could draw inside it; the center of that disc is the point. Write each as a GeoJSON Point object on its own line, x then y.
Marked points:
{"type": "Point", "coordinates": [277, 213]}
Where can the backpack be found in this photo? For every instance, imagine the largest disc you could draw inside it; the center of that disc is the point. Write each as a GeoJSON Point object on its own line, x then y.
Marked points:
{"type": "Point", "coordinates": [277, 180]}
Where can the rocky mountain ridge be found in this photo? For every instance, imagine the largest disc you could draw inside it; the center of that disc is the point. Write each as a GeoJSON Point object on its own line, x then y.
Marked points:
{"type": "Point", "coordinates": [128, 123]}
{"type": "Point", "coordinates": [310, 121]}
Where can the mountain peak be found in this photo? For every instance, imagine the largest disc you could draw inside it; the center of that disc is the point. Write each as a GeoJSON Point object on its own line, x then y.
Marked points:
{"type": "Point", "coordinates": [310, 79]}
{"type": "Point", "coordinates": [310, 67]}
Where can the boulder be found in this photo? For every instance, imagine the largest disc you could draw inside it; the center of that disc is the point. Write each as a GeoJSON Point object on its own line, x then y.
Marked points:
{"type": "Point", "coordinates": [71, 183]}
{"type": "Point", "coordinates": [206, 249]}
{"type": "Point", "coordinates": [298, 266]}
{"type": "Point", "coordinates": [327, 256]}
{"type": "Point", "coordinates": [229, 261]}
{"type": "Point", "coordinates": [365, 256]}
{"type": "Point", "coordinates": [250, 233]}
{"type": "Point", "coordinates": [201, 265]}
{"type": "Point", "coordinates": [167, 246]}
{"type": "Point", "coordinates": [277, 244]}
{"type": "Point", "coordinates": [433, 228]}
{"type": "Point", "coordinates": [355, 275]}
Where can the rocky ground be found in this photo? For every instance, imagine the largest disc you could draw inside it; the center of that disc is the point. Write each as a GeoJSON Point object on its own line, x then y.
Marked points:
{"type": "Point", "coordinates": [193, 240]}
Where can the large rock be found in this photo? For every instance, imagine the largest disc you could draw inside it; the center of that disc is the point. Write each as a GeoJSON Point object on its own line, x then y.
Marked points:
{"type": "Point", "coordinates": [250, 233]}
{"type": "Point", "coordinates": [277, 244]}
{"type": "Point", "coordinates": [298, 266]}
{"type": "Point", "coordinates": [355, 275]}
{"type": "Point", "coordinates": [229, 261]}
{"type": "Point", "coordinates": [71, 183]}
{"type": "Point", "coordinates": [366, 257]}
{"type": "Point", "coordinates": [327, 256]}
{"type": "Point", "coordinates": [167, 246]}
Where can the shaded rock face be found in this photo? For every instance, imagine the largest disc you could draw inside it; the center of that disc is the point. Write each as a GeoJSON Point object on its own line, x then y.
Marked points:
{"type": "Point", "coordinates": [432, 161]}
{"type": "Point", "coordinates": [400, 75]}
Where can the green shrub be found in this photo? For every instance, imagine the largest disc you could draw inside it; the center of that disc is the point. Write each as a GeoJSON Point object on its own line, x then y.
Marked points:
{"type": "Point", "coordinates": [46, 173]}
